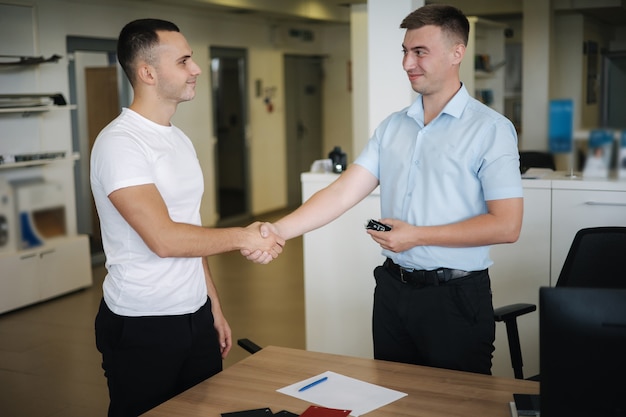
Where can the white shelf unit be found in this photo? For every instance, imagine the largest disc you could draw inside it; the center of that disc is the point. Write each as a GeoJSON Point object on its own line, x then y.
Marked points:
{"type": "Point", "coordinates": [486, 39]}
{"type": "Point", "coordinates": [35, 109]}
{"type": "Point", "coordinates": [38, 162]}
{"type": "Point", "coordinates": [61, 263]}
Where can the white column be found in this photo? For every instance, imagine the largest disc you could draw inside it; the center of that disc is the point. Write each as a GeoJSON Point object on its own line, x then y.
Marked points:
{"type": "Point", "coordinates": [380, 84]}
{"type": "Point", "coordinates": [536, 42]}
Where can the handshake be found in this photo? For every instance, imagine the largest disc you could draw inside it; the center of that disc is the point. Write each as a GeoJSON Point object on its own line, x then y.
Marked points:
{"type": "Point", "coordinates": [263, 243]}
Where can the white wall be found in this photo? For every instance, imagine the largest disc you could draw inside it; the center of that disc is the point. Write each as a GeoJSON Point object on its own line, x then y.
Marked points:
{"type": "Point", "coordinates": [377, 59]}
{"type": "Point", "coordinates": [565, 81]}
{"type": "Point", "coordinates": [360, 77]}
{"type": "Point", "coordinates": [58, 19]}
{"type": "Point", "coordinates": [338, 91]}
{"type": "Point", "coordinates": [389, 87]}
{"type": "Point", "coordinates": [536, 49]}
{"type": "Point", "coordinates": [266, 137]}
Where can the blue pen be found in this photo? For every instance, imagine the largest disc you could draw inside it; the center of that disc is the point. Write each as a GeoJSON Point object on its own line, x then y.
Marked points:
{"type": "Point", "coordinates": [312, 384]}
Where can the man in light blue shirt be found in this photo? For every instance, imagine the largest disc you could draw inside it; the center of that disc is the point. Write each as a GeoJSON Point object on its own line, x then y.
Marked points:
{"type": "Point", "coordinates": [442, 173]}
{"type": "Point", "coordinates": [450, 186]}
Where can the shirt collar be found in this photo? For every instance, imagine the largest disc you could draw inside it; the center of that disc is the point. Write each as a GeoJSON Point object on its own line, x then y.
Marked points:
{"type": "Point", "coordinates": [454, 108]}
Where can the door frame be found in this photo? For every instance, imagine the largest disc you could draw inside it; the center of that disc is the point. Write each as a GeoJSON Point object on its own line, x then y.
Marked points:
{"type": "Point", "coordinates": [84, 201]}
{"type": "Point", "coordinates": [241, 54]}
{"type": "Point", "coordinates": [294, 128]}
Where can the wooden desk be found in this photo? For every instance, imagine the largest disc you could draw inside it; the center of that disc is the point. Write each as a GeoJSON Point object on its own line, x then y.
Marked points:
{"type": "Point", "coordinates": [252, 383]}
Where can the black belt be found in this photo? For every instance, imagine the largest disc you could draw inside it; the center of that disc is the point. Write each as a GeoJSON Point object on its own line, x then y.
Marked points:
{"type": "Point", "coordinates": [424, 278]}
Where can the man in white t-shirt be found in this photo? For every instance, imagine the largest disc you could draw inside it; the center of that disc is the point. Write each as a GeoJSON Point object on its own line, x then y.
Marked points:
{"type": "Point", "coordinates": [160, 326]}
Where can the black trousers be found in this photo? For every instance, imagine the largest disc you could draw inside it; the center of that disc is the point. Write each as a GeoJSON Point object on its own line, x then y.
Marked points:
{"type": "Point", "coordinates": [446, 326]}
{"type": "Point", "coordinates": [148, 360]}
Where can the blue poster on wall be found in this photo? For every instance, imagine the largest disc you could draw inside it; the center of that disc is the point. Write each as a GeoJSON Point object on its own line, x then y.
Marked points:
{"type": "Point", "coordinates": [561, 124]}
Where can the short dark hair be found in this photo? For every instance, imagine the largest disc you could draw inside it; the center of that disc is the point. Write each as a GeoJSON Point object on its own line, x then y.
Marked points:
{"type": "Point", "coordinates": [136, 39]}
{"type": "Point", "coordinates": [451, 20]}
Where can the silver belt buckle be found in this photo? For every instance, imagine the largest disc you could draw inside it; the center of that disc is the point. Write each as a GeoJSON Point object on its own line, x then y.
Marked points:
{"type": "Point", "coordinates": [402, 273]}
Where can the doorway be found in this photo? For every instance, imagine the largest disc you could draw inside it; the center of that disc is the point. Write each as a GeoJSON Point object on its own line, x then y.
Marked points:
{"type": "Point", "coordinates": [102, 106]}
{"type": "Point", "coordinates": [99, 90]}
{"type": "Point", "coordinates": [228, 80]}
{"type": "Point", "coordinates": [613, 102]}
{"type": "Point", "coordinates": [303, 114]}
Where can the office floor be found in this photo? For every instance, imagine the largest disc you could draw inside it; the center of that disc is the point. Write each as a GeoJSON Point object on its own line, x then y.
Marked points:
{"type": "Point", "coordinates": [49, 365]}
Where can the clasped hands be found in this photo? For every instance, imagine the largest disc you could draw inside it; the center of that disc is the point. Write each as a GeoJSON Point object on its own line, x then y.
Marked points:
{"type": "Point", "coordinates": [401, 238]}
{"type": "Point", "coordinates": [265, 244]}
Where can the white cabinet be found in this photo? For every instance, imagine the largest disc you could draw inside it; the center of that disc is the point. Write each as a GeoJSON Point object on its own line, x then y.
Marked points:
{"type": "Point", "coordinates": [64, 266]}
{"type": "Point", "coordinates": [339, 260]}
{"type": "Point", "coordinates": [62, 263]}
{"type": "Point", "coordinates": [482, 68]}
{"type": "Point", "coordinates": [19, 283]}
{"type": "Point", "coordinates": [518, 270]}
{"type": "Point", "coordinates": [580, 204]}
{"type": "Point", "coordinates": [60, 266]}
{"type": "Point", "coordinates": [36, 148]}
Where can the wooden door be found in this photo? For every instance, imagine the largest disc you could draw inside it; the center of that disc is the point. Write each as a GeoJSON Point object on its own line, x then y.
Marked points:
{"type": "Point", "coordinates": [102, 107]}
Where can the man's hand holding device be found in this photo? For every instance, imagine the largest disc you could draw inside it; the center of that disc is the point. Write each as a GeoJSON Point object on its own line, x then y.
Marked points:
{"type": "Point", "coordinates": [378, 226]}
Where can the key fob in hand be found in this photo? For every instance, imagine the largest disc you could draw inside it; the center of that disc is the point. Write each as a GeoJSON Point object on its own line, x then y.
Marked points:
{"type": "Point", "coordinates": [378, 226]}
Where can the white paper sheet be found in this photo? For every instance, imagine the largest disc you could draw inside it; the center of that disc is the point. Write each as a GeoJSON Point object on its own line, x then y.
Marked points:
{"type": "Point", "coordinates": [343, 392]}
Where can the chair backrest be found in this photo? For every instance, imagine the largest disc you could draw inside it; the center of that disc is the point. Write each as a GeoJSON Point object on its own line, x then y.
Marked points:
{"type": "Point", "coordinates": [597, 258]}
{"type": "Point", "coordinates": [535, 159]}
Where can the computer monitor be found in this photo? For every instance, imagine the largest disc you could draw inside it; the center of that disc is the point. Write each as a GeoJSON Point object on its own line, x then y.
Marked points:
{"type": "Point", "coordinates": [582, 338]}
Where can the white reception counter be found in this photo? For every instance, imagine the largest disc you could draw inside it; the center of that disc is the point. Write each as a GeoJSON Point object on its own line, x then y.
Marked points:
{"type": "Point", "coordinates": [340, 257]}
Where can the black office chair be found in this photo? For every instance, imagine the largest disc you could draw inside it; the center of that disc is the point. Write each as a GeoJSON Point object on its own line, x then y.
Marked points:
{"type": "Point", "coordinates": [595, 259]}
{"type": "Point", "coordinates": [535, 159]}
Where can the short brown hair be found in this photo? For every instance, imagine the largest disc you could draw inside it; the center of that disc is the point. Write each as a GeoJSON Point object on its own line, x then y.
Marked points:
{"type": "Point", "coordinates": [451, 20]}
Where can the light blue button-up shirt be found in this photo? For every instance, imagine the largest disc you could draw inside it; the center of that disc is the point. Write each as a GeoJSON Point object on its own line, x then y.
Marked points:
{"type": "Point", "coordinates": [443, 173]}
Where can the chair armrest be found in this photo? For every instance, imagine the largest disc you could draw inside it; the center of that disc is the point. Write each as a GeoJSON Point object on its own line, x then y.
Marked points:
{"type": "Point", "coordinates": [511, 311]}
{"type": "Point", "coordinates": [249, 345]}
{"type": "Point", "coordinates": [508, 314]}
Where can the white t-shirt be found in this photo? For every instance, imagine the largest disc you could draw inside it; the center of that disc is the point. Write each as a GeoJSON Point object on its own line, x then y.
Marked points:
{"type": "Point", "coordinates": [130, 151]}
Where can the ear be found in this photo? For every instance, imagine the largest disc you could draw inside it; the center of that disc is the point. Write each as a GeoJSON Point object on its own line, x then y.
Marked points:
{"type": "Point", "coordinates": [458, 53]}
{"type": "Point", "coordinates": [146, 73]}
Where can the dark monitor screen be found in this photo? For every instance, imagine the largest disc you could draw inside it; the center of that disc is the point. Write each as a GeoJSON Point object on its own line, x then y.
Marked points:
{"type": "Point", "coordinates": [582, 337]}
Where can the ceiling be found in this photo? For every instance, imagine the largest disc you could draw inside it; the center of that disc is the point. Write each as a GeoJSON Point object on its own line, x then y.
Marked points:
{"type": "Point", "coordinates": [612, 12]}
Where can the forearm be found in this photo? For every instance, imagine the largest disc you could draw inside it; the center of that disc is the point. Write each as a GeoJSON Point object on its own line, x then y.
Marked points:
{"type": "Point", "coordinates": [224, 333]}
{"type": "Point", "coordinates": [145, 211]}
{"type": "Point", "coordinates": [501, 224]}
{"type": "Point", "coordinates": [186, 240]}
{"type": "Point", "coordinates": [481, 230]}
{"type": "Point", "coordinates": [316, 212]}
{"type": "Point", "coordinates": [328, 203]}
{"type": "Point", "coordinates": [210, 287]}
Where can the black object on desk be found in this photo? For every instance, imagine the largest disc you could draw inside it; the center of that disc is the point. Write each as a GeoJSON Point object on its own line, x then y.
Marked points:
{"type": "Point", "coordinates": [527, 404]}
{"type": "Point", "coordinates": [582, 351]}
{"type": "Point", "coordinates": [259, 412]}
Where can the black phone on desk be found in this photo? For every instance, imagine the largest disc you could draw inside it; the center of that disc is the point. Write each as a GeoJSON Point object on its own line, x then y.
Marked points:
{"type": "Point", "coordinates": [257, 412]}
